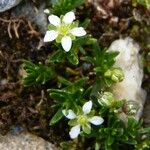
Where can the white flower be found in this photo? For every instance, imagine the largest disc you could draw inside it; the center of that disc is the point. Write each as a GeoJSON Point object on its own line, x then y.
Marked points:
{"type": "Point", "coordinates": [63, 30]}
{"type": "Point", "coordinates": [82, 120]}
{"type": "Point", "coordinates": [46, 11]}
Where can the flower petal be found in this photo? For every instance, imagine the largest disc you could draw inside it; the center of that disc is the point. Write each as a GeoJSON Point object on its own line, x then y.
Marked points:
{"type": "Point", "coordinates": [54, 20]}
{"type": "Point", "coordinates": [50, 36]}
{"type": "Point", "coordinates": [96, 120]}
{"type": "Point", "coordinates": [66, 43]}
{"type": "Point", "coordinates": [69, 17]}
{"type": "Point", "coordinates": [46, 11]}
{"type": "Point", "coordinates": [87, 107]}
{"type": "Point", "coordinates": [74, 132]}
{"type": "Point", "coordinates": [69, 114]}
{"type": "Point", "coordinates": [78, 31]}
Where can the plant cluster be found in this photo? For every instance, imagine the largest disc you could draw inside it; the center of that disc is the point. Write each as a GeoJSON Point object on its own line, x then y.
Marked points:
{"type": "Point", "coordinates": [83, 74]}
{"type": "Point", "coordinates": [145, 3]}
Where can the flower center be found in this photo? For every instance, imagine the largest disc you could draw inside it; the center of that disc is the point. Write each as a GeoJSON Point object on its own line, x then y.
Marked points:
{"type": "Point", "coordinates": [82, 120]}
{"type": "Point", "coordinates": [64, 29]}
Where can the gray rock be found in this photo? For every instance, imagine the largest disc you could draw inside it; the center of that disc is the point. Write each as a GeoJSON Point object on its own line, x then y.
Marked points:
{"type": "Point", "coordinates": [24, 141]}
{"type": "Point", "coordinates": [34, 14]}
{"type": "Point", "coordinates": [7, 4]}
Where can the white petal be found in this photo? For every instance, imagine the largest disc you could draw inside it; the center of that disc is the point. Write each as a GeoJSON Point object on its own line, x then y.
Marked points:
{"type": "Point", "coordinates": [78, 31]}
{"type": "Point", "coordinates": [96, 120]}
{"type": "Point", "coordinates": [74, 132]}
{"type": "Point", "coordinates": [69, 17]}
{"type": "Point", "coordinates": [69, 114]}
{"type": "Point", "coordinates": [46, 11]}
{"type": "Point", "coordinates": [50, 36]}
{"type": "Point", "coordinates": [54, 20]}
{"type": "Point", "coordinates": [66, 43]}
{"type": "Point", "coordinates": [87, 107]}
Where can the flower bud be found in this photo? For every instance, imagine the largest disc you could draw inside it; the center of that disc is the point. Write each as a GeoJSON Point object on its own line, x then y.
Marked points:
{"type": "Point", "coordinates": [108, 73]}
{"type": "Point", "coordinates": [106, 99]}
{"type": "Point", "coordinates": [117, 75]}
{"type": "Point", "coordinates": [131, 107]}
{"type": "Point", "coordinates": [46, 11]}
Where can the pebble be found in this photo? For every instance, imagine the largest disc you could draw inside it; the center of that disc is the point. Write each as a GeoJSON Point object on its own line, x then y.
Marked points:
{"type": "Point", "coordinates": [24, 141]}
{"type": "Point", "coordinates": [8, 4]}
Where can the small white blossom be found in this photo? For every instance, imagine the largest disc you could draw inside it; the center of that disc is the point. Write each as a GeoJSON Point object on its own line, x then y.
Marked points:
{"type": "Point", "coordinates": [46, 11]}
{"type": "Point", "coordinates": [82, 120]}
{"type": "Point", "coordinates": [63, 30]}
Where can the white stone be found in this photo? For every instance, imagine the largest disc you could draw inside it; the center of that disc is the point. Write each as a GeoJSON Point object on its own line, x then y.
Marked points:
{"type": "Point", "coordinates": [129, 60]}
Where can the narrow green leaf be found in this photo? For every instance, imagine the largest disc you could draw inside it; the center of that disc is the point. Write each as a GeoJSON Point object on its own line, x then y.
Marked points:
{"type": "Point", "coordinates": [81, 82]}
{"type": "Point", "coordinates": [64, 81]}
{"type": "Point", "coordinates": [73, 58]}
{"type": "Point", "coordinates": [110, 140]}
{"type": "Point", "coordinates": [57, 96]}
{"type": "Point", "coordinates": [37, 73]}
{"type": "Point", "coordinates": [56, 117]}
{"type": "Point", "coordinates": [57, 56]}
{"type": "Point", "coordinates": [60, 7]}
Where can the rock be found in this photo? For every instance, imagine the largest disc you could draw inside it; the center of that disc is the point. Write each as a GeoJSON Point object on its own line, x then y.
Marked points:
{"type": "Point", "coordinates": [130, 61]}
{"type": "Point", "coordinates": [24, 141]}
{"type": "Point", "coordinates": [33, 14]}
{"type": "Point", "coordinates": [8, 4]}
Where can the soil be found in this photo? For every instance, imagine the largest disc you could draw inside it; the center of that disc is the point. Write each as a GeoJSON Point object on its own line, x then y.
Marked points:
{"type": "Point", "coordinates": [20, 39]}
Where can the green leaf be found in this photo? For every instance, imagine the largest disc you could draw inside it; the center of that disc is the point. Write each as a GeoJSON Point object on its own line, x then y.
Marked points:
{"type": "Point", "coordinates": [86, 128]}
{"type": "Point", "coordinates": [37, 74]}
{"type": "Point", "coordinates": [60, 7]}
{"type": "Point", "coordinates": [56, 117]}
{"type": "Point", "coordinates": [64, 81]}
{"type": "Point", "coordinates": [99, 69]}
{"type": "Point", "coordinates": [73, 58]}
{"type": "Point", "coordinates": [87, 92]}
{"type": "Point", "coordinates": [110, 140]}
{"type": "Point", "coordinates": [73, 122]}
{"type": "Point", "coordinates": [89, 59]}
{"type": "Point", "coordinates": [62, 93]}
{"type": "Point", "coordinates": [97, 146]}
{"type": "Point", "coordinates": [144, 130]}
{"type": "Point", "coordinates": [68, 145]}
{"type": "Point", "coordinates": [118, 104]}
{"type": "Point", "coordinates": [145, 3]}
{"type": "Point", "coordinates": [81, 82]}
{"type": "Point", "coordinates": [57, 97]}
{"type": "Point", "coordinates": [57, 56]}
{"type": "Point", "coordinates": [86, 23]}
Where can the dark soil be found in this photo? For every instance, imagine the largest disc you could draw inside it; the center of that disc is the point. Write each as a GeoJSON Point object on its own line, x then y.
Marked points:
{"type": "Point", "coordinates": [31, 107]}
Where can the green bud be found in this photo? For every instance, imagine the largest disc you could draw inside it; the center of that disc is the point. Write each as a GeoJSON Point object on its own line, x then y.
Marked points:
{"type": "Point", "coordinates": [131, 107]}
{"type": "Point", "coordinates": [106, 99]}
{"type": "Point", "coordinates": [114, 78]}
{"type": "Point", "coordinates": [117, 75]}
{"type": "Point", "coordinates": [107, 73]}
